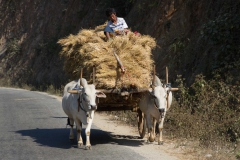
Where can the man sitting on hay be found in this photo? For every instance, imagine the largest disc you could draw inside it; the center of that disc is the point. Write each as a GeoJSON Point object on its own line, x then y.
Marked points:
{"type": "Point", "coordinates": [116, 25]}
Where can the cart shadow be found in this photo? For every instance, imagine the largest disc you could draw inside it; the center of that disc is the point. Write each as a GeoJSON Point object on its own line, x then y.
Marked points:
{"type": "Point", "coordinates": [102, 137]}
{"type": "Point", "coordinates": [58, 138]}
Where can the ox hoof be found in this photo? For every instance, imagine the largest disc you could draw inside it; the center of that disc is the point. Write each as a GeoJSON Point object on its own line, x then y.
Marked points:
{"type": "Point", "coordinates": [80, 145]}
{"type": "Point", "coordinates": [160, 143]}
{"type": "Point", "coordinates": [88, 147]}
{"type": "Point", "coordinates": [71, 138]}
{"type": "Point", "coordinates": [151, 139]}
{"type": "Point", "coordinates": [148, 141]}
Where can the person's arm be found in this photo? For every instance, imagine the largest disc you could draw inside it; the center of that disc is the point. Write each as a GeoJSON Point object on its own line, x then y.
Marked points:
{"type": "Point", "coordinates": [124, 23]}
{"type": "Point", "coordinates": [125, 26]}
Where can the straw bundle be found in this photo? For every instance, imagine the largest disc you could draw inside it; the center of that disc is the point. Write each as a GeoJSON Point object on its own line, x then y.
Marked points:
{"type": "Point", "coordinates": [88, 48]}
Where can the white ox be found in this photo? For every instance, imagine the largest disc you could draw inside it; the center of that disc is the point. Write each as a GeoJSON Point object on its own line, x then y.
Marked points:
{"type": "Point", "coordinates": [80, 107]}
{"type": "Point", "coordinates": [154, 106]}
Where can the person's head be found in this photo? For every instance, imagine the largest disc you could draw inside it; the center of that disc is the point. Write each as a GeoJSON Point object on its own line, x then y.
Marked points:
{"type": "Point", "coordinates": [111, 14]}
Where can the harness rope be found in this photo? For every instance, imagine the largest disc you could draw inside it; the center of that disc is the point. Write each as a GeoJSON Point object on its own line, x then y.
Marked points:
{"type": "Point", "coordinates": [80, 105]}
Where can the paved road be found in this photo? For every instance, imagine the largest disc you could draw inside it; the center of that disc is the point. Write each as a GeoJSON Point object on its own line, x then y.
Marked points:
{"type": "Point", "coordinates": [32, 126]}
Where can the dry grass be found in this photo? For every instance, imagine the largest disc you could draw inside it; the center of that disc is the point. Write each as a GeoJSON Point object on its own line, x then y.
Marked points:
{"type": "Point", "coordinates": [88, 48]}
{"type": "Point", "coordinates": [208, 112]}
{"type": "Point", "coordinates": [204, 122]}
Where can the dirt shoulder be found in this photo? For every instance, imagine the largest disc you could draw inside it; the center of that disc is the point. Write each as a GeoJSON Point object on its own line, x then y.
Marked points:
{"type": "Point", "coordinates": [123, 131]}
{"type": "Point", "coordinates": [172, 149]}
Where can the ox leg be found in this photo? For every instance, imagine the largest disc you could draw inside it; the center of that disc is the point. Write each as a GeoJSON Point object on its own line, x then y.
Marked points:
{"type": "Point", "coordinates": [79, 130]}
{"type": "Point", "coordinates": [87, 131]}
{"type": "Point", "coordinates": [160, 139]}
{"type": "Point", "coordinates": [71, 135]}
{"type": "Point", "coordinates": [150, 128]}
{"type": "Point", "coordinates": [154, 127]}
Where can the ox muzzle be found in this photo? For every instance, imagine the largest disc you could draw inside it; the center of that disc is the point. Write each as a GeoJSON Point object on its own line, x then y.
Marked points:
{"type": "Point", "coordinates": [161, 110]}
{"type": "Point", "coordinates": [92, 107]}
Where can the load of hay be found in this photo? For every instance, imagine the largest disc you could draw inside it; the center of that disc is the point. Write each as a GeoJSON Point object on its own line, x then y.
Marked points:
{"type": "Point", "coordinates": [88, 48]}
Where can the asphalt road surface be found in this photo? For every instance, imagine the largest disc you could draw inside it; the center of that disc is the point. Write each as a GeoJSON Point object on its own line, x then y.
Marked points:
{"type": "Point", "coordinates": [33, 126]}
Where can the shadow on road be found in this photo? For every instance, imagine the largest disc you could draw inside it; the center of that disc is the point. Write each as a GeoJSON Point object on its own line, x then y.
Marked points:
{"type": "Point", "coordinates": [58, 138]}
{"type": "Point", "coordinates": [60, 117]}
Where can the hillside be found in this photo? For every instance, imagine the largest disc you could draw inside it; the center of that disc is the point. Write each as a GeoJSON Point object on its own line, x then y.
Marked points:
{"type": "Point", "coordinates": [30, 30]}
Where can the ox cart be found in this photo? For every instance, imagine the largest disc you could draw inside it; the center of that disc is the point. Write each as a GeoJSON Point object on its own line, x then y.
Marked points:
{"type": "Point", "coordinates": [125, 98]}
{"type": "Point", "coordinates": [136, 53]}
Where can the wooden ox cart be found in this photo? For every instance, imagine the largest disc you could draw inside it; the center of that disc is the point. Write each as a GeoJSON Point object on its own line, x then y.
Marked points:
{"type": "Point", "coordinates": [125, 98]}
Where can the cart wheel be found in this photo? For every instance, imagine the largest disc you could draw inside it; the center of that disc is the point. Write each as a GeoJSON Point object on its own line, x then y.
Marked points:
{"type": "Point", "coordinates": [141, 124]}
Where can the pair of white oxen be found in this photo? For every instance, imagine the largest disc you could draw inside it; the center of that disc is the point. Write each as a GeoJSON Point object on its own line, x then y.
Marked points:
{"type": "Point", "coordinates": [81, 105]}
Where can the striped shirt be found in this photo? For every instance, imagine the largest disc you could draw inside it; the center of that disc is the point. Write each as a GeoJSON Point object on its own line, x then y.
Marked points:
{"type": "Point", "coordinates": [121, 24]}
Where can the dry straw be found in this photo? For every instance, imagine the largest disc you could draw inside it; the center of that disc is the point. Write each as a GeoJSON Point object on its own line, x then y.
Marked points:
{"type": "Point", "coordinates": [88, 48]}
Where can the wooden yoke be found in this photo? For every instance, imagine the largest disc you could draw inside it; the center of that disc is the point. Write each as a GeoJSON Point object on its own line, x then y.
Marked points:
{"type": "Point", "coordinates": [81, 72]}
{"type": "Point", "coordinates": [166, 75]}
{"type": "Point", "coordinates": [172, 89]}
{"type": "Point", "coordinates": [73, 91]}
{"type": "Point", "coordinates": [81, 84]}
{"type": "Point", "coordinates": [167, 83]}
{"type": "Point", "coordinates": [94, 72]}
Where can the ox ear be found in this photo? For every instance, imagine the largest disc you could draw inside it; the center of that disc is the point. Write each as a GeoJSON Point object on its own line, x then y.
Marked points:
{"type": "Point", "coordinates": [100, 94]}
